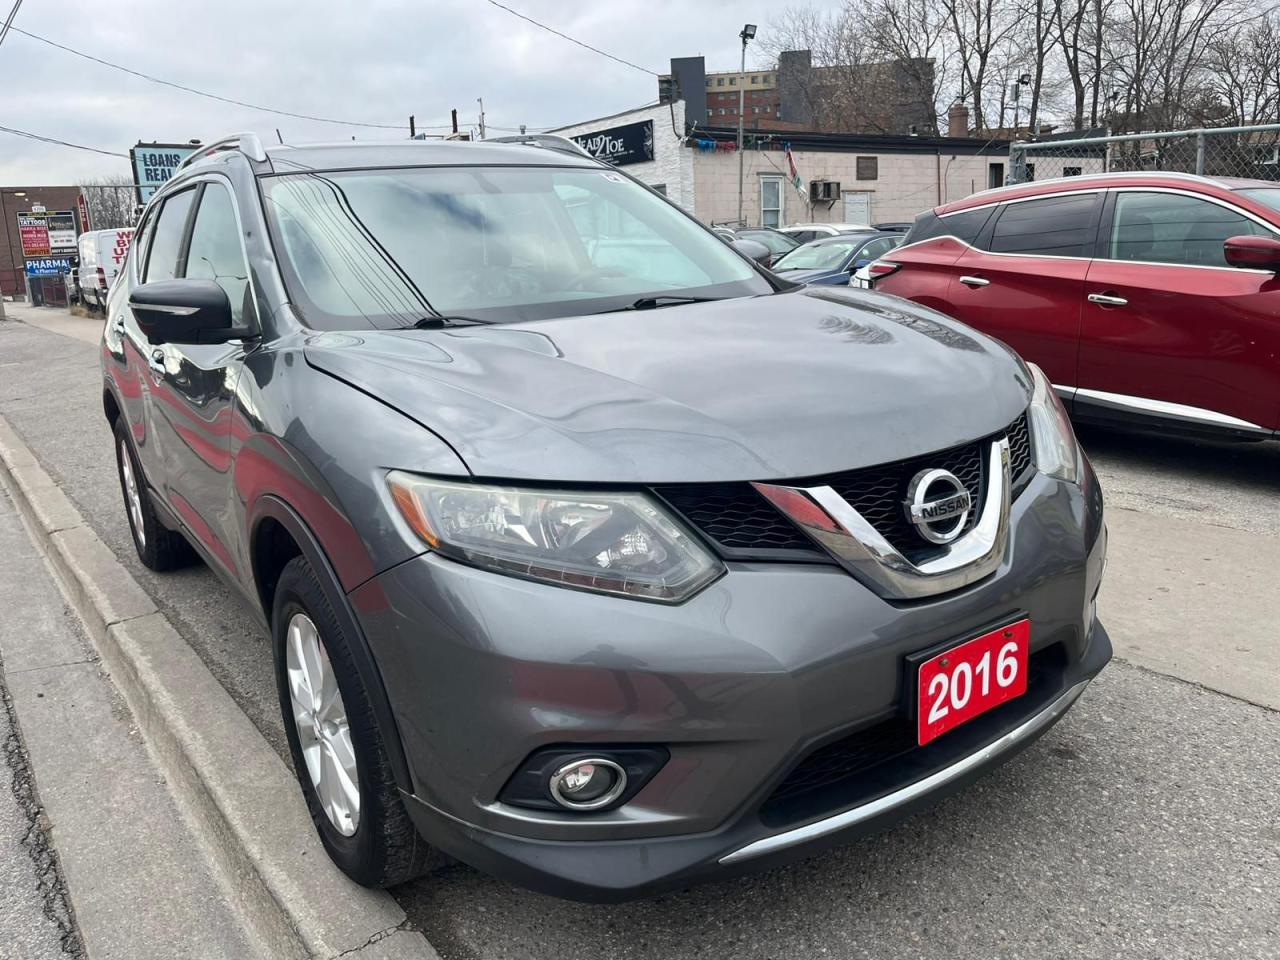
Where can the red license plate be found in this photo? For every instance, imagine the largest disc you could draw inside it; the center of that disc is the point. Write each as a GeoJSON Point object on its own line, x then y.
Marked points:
{"type": "Point", "coordinates": [959, 684]}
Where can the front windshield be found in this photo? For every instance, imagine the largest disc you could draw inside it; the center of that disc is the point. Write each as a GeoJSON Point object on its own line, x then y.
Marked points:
{"type": "Point", "coordinates": [818, 256]}
{"type": "Point", "coordinates": [386, 248]}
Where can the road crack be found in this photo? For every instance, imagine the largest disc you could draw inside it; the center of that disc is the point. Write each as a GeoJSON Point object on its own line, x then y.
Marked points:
{"type": "Point", "coordinates": [50, 882]}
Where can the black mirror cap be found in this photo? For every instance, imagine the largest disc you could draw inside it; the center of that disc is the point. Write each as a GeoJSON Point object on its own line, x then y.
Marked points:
{"type": "Point", "coordinates": [184, 311]}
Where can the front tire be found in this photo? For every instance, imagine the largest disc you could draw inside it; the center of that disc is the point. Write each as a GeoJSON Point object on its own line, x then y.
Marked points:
{"type": "Point", "coordinates": [337, 748]}
{"type": "Point", "coordinates": [159, 548]}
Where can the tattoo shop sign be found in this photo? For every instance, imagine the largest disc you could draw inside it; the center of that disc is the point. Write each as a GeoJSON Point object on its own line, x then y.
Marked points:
{"type": "Point", "coordinates": [629, 143]}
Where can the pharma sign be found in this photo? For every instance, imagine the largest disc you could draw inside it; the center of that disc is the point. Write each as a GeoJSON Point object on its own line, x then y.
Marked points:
{"type": "Point", "coordinates": [155, 163]}
{"type": "Point", "coordinates": [630, 143]}
{"type": "Point", "coordinates": [48, 266]}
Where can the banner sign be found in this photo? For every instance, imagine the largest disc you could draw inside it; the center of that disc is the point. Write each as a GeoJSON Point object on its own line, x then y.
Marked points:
{"type": "Point", "coordinates": [630, 143]}
{"type": "Point", "coordinates": [62, 231]}
{"type": "Point", "coordinates": [48, 266]}
{"type": "Point", "coordinates": [33, 228]}
{"type": "Point", "coordinates": [82, 207]}
{"type": "Point", "coordinates": [155, 163]}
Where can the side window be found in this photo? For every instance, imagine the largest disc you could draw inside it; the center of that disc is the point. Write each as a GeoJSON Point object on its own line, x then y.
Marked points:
{"type": "Point", "coordinates": [876, 248]}
{"type": "Point", "coordinates": [1054, 226]}
{"type": "Point", "coordinates": [215, 252]}
{"type": "Point", "coordinates": [964, 226]}
{"type": "Point", "coordinates": [166, 242]}
{"type": "Point", "coordinates": [1171, 228]}
{"type": "Point", "coordinates": [142, 242]}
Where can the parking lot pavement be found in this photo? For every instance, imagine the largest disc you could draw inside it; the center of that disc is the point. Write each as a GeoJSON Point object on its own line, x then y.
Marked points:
{"type": "Point", "coordinates": [1145, 825]}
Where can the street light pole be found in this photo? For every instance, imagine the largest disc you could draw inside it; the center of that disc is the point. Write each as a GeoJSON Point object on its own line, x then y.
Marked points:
{"type": "Point", "coordinates": [748, 33]}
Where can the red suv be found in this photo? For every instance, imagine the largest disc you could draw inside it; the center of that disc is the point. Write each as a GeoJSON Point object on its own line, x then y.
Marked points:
{"type": "Point", "coordinates": [1147, 298]}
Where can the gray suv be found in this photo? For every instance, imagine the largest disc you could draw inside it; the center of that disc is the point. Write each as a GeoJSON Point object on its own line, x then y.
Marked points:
{"type": "Point", "coordinates": [592, 554]}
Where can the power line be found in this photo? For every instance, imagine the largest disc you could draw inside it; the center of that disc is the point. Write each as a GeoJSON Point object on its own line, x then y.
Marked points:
{"type": "Point", "coordinates": [202, 93]}
{"type": "Point", "coordinates": [565, 36]}
{"type": "Point", "coordinates": [61, 143]}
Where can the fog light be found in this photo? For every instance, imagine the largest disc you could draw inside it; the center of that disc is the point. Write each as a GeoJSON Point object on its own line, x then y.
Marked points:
{"type": "Point", "coordinates": [587, 784]}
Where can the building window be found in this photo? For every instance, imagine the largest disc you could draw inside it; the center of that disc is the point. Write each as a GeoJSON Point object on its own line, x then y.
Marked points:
{"type": "Point", "coordinates": [755, 78]}
{"type": "Point", "coordinates": [770, 201]}
{"type": "Point", "coordinates": [1071, 171]}
{"type": "Point", "coordinates": [868, 168]}
{"type": "Point", "coordinates": [1031, 172]}
{"type": "Point", "coordinates": [719, 81]}
{"type": "Point", "coordinates": [995, 175]}
{"type": "Point", "coordinates": [708, 83]}
{"type": "Point", "coordinates": [733, 81]}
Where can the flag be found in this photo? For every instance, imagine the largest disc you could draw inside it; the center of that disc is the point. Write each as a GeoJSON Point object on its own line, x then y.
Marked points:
{"type": "Point", "coordinates": [795, 173]}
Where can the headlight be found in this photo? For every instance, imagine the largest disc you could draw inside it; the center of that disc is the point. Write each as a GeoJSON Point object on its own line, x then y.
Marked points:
{"type": "Point", "coordinates": [1057, 451]}
{"type": "Point", "coordinates": [618, 543]}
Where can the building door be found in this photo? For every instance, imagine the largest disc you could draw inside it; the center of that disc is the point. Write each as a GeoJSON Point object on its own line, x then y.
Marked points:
{"type": "Point", "coordinates": [857, 206]}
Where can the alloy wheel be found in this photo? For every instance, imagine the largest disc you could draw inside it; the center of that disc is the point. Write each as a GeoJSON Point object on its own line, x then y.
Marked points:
{"type": "Point", "coordinates": [324, 733]}
{"type": "Point", "coordinates": [132, 495]}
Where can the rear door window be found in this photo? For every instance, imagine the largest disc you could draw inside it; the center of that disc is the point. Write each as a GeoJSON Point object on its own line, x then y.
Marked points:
{"type": "Point", "coordinates": [1048, 227]}
{"type": "Point", "coordinates": [1173, 228]}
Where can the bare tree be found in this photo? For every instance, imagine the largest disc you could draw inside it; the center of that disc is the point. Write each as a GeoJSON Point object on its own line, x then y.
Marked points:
{"type": "Point", "coordinates": [915, 33]}
{"type": "Point", "coordinates": [111, 200]}
{"type": "Point", "coordinates": [1244, 75]}
{"type": "Point", "coordinates": [979, 29]}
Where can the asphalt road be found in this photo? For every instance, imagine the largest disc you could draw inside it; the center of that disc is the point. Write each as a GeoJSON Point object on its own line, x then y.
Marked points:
{"type": "Point", "coordinates": [1147, 824]}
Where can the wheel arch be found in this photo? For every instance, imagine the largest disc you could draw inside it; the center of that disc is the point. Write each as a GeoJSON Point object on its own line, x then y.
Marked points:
{"type": "Point", "coordinates": [278, 533]}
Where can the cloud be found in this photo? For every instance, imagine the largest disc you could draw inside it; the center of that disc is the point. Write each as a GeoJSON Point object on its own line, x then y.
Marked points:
{"type": "Point", "coordinates": [377, 61]}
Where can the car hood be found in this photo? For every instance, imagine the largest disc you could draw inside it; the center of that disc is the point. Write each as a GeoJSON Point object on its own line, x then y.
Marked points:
{"type": "Point", "coordinates": [789, 385]}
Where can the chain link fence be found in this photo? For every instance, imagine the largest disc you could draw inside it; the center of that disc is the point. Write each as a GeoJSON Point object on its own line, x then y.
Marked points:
{"type": "Point", "coordinates": [1249, 152]}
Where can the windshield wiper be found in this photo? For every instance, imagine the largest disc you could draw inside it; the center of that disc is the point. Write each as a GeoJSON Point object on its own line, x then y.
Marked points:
{"type": "Point", "coordinates": [650, 303]}
{"type": "Point", "coordinates": [439, 323]}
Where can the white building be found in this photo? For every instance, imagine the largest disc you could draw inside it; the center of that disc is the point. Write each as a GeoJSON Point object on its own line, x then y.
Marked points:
{"type": "Point", "coordinates": [851, 178]}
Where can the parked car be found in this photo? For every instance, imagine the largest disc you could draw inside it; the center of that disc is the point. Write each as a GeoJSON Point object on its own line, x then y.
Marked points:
{"type": "Point", "coordinates": [778, 242]}
{"type": "Point", "coordinates": [73, 285]}
{"type": "Point", "coordinates": [833, 260]}
{"type": "Point", "coordinates": [102, 252]}
{"type": "Point", "coordinates": [1148, 298]}
{"type": "Point", "coordinates": [607, 576]}
{"type": "Point", "coordinates": [894, 226]}
{"type": "Point", "coordinates": [804, 232]}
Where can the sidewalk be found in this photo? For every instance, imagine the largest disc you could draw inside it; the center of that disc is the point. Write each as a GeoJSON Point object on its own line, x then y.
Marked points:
{"type": "Point", "coordinates": [57, 320]}
{"type": "Point", "coordinates": [139, 882]}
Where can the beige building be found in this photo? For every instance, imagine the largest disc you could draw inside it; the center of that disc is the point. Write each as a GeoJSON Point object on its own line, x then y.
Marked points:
{"type": "Point", "coordinates": [849, 178]}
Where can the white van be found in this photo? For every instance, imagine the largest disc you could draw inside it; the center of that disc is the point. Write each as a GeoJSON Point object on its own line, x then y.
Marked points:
{"type": "Point", "coordinates": [102, 254]}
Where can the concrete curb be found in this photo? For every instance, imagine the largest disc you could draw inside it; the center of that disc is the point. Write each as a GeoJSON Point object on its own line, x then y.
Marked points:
{"type": "Point", "coordinates": [240, 799]}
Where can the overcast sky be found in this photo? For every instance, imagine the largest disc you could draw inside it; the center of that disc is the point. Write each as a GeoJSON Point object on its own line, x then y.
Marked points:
{"type": "Point", "coordinates": [375, 61]}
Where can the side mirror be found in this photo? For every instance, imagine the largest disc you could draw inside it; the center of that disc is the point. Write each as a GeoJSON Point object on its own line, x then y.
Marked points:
{"type": "Point", "coordinates": [753, 251]}
{"type": "Point", "coordinates": [1261, 253]}
{"type": "Point", "coordinates": [184, 311]}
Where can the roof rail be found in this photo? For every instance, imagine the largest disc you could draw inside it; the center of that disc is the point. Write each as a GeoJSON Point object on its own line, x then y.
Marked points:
{"type": "Point", "coordinates": [246, 143]}
{"type": "Point", "coordinates": [548, 141]}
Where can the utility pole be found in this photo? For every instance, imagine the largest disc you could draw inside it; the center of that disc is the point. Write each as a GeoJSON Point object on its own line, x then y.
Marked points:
{"type": "Point", "coordinates": [748, 33]}
{"type": "Point", "coordinates": [413, 133]}
{"type": "Point", "coordinates": [480, 100]}
{"type": "Point", "coordinates": [4, 32]}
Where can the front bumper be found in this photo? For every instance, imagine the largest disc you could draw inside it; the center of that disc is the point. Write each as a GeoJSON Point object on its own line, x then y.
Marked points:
{"type": "Point", "coordinates": [763, 668]}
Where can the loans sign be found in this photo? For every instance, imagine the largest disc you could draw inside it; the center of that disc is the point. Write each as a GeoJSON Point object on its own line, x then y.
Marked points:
{"type": "Point", "coordinates": [629, 143]}
{"type": "Point", "coordinates": [155, 163]}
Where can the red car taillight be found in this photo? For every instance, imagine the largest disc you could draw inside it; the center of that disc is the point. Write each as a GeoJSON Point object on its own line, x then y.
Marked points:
{"type": "Point", "coordinates": [102, 279]}
{"type": "Point", "coordinates": [880, 269]}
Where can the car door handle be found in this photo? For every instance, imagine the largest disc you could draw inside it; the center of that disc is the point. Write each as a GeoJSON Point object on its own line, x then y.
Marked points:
{"type": "Point", "coordinates": [1108, 300]}
{"type": "Point", "coordinates": [118, 326]}
{"type": "Point", "coordinates": [975, 281]}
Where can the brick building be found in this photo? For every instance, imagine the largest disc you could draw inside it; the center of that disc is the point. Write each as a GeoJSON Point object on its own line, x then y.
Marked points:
{"type": "Point", "coordinates": [22, 200]}
{"type": "Point", "coordinates": [884, 98]}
